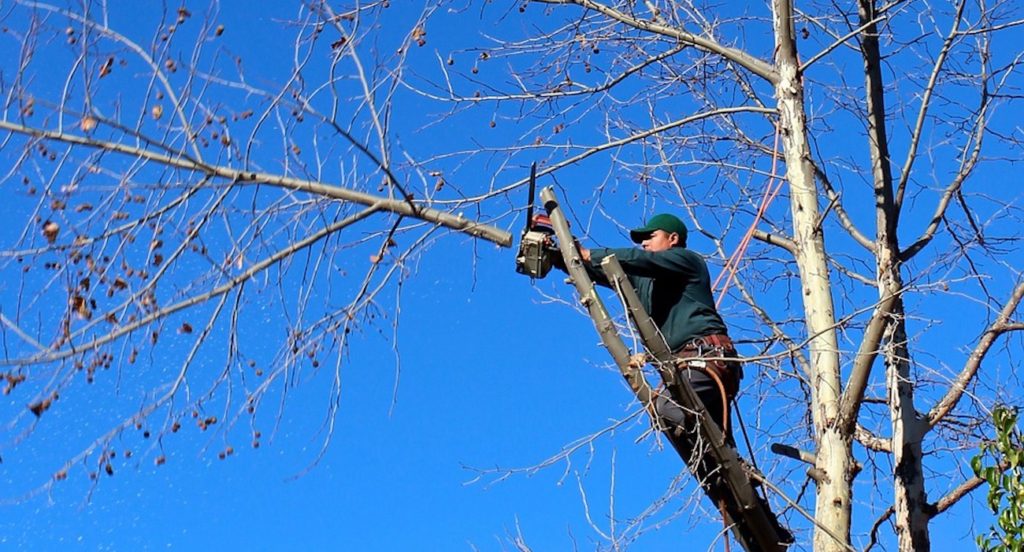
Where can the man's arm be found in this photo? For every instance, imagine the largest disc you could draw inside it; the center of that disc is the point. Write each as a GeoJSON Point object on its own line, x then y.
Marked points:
{"type": "Point", "coordinates": [637, 262]}
{"type": "Point", "coordinates": [595, 272]}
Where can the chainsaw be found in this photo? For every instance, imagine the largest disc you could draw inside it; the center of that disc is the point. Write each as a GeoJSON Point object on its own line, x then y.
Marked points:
{"type": "Point", "coordinates": [536, 246]}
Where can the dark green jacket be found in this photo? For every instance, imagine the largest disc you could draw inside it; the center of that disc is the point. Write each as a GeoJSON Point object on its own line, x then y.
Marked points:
{"type": "Point", "coordinates": [674, 287]}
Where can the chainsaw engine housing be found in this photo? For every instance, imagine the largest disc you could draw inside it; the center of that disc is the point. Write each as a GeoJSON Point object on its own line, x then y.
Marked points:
{"type": "Point", "coordinates": [535, 252]}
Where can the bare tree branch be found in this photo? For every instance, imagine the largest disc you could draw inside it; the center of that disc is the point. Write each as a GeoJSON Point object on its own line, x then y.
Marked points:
{"type": "Point", "coordinates": [401, 207]}
{"type": "Point", "coordinates": [954, 496]}
{"type": "Point", "coordinates": [871, 441]}
{"type": "Point", "coordinates": [775, 239]}
{"type": "Point", "coordinates": [999, 326]}
{"type": "Point", "coordinates": [51, 355]}
{"type": "Point", "coordinates": [754, 65]}
{"type": "Point", "coordinates": [928, 91]}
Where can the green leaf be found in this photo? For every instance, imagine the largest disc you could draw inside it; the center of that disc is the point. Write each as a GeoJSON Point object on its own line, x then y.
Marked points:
{"type": "Point", "coordinates": [1006, 481]}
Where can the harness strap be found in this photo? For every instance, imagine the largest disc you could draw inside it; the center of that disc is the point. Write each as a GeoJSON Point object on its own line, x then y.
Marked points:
{"type": "Point", "coordinates": [713, 341]}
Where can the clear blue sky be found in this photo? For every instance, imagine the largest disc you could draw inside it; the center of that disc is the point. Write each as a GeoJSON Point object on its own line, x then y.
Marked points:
{"type": "Point", "coordinates": [493, 375]}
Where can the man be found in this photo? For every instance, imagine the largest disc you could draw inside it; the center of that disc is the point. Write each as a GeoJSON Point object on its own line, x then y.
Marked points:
{"type": "Point", "coordinates": [675, 289]}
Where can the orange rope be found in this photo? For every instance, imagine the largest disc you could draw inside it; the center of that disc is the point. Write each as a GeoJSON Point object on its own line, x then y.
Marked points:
{"type": "Point", "coordinates": [732, 265]}
{"type": "Point", "coordinates": [725, 523]}
{"type": "Point", "coordinates": [731, 268]}
{"type": "Point", "coordinates": [721, 389]}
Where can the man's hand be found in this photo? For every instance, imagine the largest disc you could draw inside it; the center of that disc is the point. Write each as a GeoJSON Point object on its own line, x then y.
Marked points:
{"type": "Point", "coordinates": [584, 252]}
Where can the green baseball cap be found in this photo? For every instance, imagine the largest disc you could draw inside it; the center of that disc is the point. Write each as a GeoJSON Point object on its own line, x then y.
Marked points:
{"type": "Point", "coordinates": [664, 221]}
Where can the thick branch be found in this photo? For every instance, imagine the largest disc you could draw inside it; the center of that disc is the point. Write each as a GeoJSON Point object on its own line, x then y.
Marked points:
{"type": "Point", "coordinates": [952, 497]}
{"type": "Point", "coordinates": [853, 394]}
{"type": "Point", "coordinates": [775, 239]}
{"type": "Point", "coordinates": [1000, 326]}
{"type": "Point", "coordinates": [870, 440]}
{"type": "Point", "coordinates": [878, 524]}
{"type": "Point", "coordinates": [400, 207]}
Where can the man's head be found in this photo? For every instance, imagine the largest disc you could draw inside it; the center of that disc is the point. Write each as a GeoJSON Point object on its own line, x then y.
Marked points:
{"type": "Point", "coordinates": [661, 232]}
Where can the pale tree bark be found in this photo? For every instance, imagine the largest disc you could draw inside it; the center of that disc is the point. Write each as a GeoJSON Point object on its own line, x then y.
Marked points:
{"type": "Point", "coordinates": [889, 320]}
{"type": "Point", "coordinates": [834, 455]}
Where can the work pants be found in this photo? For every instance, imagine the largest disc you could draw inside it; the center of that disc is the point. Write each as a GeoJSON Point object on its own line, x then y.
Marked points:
{"type": "Point", "coordinates": [688, 441]}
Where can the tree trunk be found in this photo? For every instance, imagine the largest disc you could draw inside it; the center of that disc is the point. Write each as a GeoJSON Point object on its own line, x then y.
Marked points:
{"type": "Point", "coordinates": [910, 500]}
{"type": "Point", "coordinates": [834, 453]}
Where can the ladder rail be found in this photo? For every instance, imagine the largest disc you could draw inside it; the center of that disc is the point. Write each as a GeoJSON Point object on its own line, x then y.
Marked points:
{"type": "Point", "coordinates": [747, 506]}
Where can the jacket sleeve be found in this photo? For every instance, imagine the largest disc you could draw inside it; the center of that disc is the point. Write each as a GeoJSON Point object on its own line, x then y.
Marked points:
{"type": "Point", "coordinates": [593, 270]}
{"type": "Point", "coordinates": [637, 262]}
{"type": "Point", "coordinates": [596, 274]}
